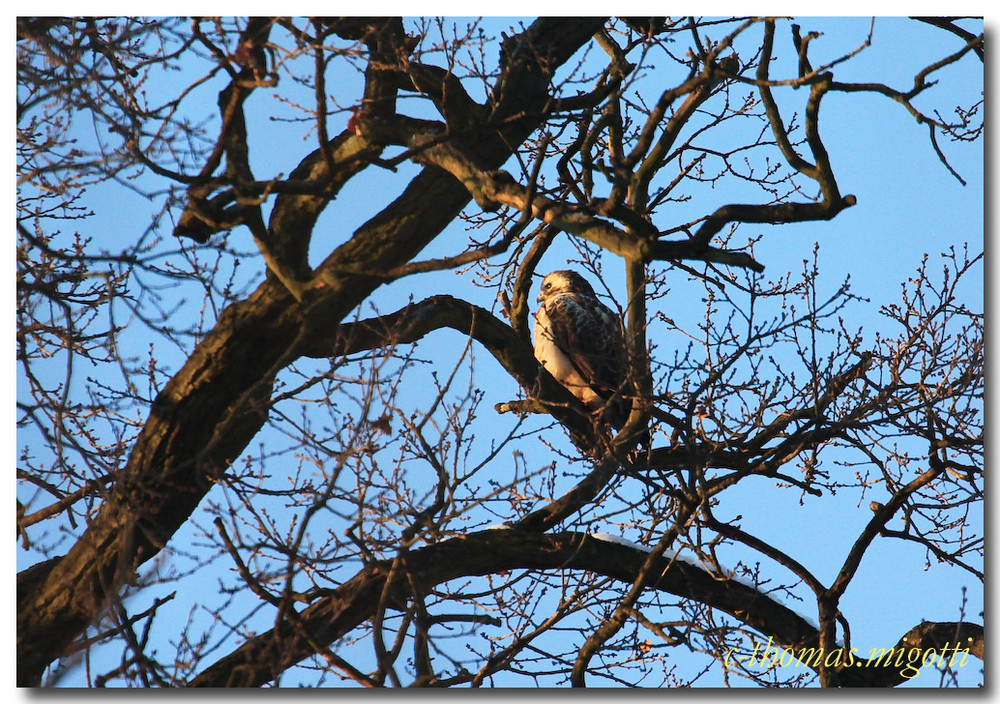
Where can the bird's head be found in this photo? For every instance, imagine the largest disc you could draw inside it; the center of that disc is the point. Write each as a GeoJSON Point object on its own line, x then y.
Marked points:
{"type": "Point", "coordinates": [564, 281]}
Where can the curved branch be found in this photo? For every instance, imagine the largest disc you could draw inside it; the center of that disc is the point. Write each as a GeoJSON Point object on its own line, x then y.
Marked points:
{"type": "Point", "coordinates": [780, 213]}
{"type": "Point", "coordinates": [428, 143]}
{"type": "Point", "coordinates": [416, 320]}
{"type": "Point", "coordinates": [262, 658]}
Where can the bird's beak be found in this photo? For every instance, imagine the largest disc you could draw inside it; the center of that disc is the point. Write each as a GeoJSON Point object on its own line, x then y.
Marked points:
{"type": "Point", "coordinates": [539, 298]}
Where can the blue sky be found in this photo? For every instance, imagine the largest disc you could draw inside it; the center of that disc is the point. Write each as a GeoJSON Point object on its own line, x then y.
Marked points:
{"type": "Point", "coordinates": [908, 205]}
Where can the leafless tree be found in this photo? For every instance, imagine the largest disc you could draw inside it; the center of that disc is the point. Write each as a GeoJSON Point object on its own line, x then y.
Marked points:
{"type": "Point", "coordinates": [275, 279]}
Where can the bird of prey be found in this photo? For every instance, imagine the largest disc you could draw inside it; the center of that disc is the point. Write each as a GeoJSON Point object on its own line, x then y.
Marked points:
{"type": "Point", "coordinates": [579, 341]}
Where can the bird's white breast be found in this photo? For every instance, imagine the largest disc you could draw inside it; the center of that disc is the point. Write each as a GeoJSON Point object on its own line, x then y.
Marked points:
{"type": "Point", "coordinates": [556, 362]}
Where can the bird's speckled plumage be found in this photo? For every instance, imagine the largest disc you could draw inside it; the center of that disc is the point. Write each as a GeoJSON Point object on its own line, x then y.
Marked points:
{"type": "Point", "coordinates": [578, 340]}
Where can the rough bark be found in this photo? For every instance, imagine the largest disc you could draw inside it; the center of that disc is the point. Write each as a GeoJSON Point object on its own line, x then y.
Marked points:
{"type": "Point", "coordinates": [205, 416]}
{"type": "Point", "coordinates": [262, 659]}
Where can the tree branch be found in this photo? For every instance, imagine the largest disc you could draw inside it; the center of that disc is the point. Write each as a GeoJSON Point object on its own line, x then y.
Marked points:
{"type": "Point", "coordinates": [260, 658]}
{"type": "Point", "coordinates": [205, 416]}
{"type": "Point", "coordinates": [429, 144]}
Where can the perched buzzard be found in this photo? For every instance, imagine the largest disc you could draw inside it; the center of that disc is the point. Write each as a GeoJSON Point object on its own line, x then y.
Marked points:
{"type": "Point", "coordinates": [578, 340]}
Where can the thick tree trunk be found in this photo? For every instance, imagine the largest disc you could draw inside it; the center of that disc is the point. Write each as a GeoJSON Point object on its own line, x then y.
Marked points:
{"type": "Point", "coordinates": [207, 414]}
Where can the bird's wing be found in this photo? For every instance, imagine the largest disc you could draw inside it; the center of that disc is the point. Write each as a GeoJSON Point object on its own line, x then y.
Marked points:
{"type": "Point", "coordinates": [589, 335]}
